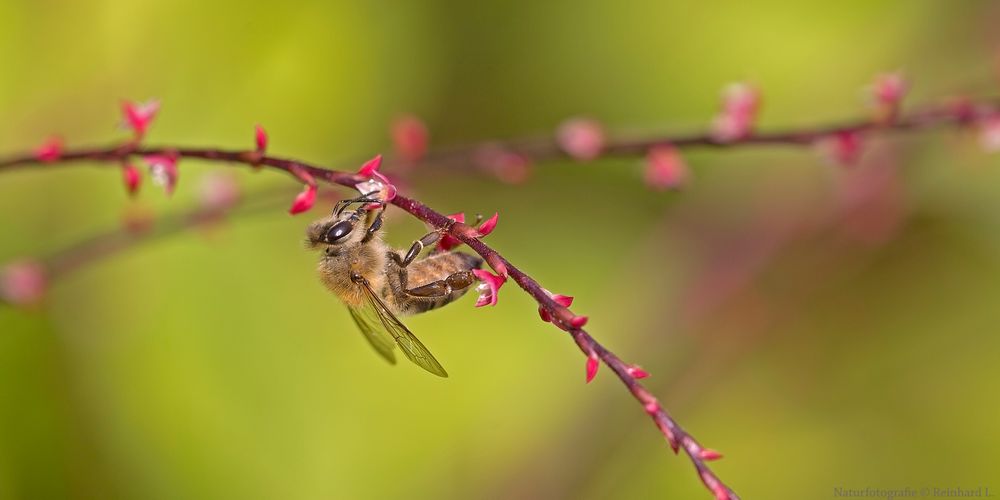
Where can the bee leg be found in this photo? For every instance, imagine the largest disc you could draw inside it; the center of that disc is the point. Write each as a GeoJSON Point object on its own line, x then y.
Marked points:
{"type": "Point", "coordinates": [374, 227]}
{"type": "Point", "coordinates": [415, 249]}
{"type": "Point", "coordinates": [442, 288]}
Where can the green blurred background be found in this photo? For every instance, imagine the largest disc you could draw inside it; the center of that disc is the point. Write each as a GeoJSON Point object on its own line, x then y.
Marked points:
{"type": "Point", "coordinates": [822, 328]}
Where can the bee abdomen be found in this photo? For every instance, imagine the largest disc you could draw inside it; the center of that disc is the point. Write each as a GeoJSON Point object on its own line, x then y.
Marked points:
{"type": "Point", "coordinates": [438, 280]}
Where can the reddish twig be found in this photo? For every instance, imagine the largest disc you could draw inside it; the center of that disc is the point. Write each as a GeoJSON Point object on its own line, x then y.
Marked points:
{"type": "Point", "coordinates": [536, 150]}
{"type": "Point", "coordinates": [561, 316]}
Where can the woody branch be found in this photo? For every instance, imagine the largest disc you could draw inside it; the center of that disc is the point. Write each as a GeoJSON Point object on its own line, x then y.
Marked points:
{"type": "Point", "coordinates": [582, 140]}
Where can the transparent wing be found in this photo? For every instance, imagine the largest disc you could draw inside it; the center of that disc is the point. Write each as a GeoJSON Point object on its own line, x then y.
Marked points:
{"type": "Point", "coordinates": [371, 327]}
{"type": "Point", "coordinates": [412, 348]}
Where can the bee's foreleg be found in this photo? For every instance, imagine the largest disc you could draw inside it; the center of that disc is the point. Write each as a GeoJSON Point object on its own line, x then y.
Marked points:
{"type": "Point", "coordinates": [458, 281]}
{"type": "Point", "coordinates": [415, 249]}
{"type": "Point", "coordinates": [376, 224]}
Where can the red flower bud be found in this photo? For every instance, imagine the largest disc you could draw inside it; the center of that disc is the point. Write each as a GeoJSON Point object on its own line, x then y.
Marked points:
{"type": "Point", "coordinates": [260, 137]}
{"type": "Point", "coordinates": [636, 372]}
{"type": "Point", "coordinates": [581, 138]}
{"type": "Point", "coordinates": [739, 110]}
{"type": "Point", "coordinates": [593, 363]}
{"type": "Point", "coordinates": [138, 117]}
{"type": "Point", "coordinates": [887, 94]}
{"type": "Point", "coordinates": [50, 150]}
{"type": "Point", "coordinates": [578, 321]}
{"type": "Point", "coordinates": [488, 226]}
{"type": "Point", "coordinates": [665, 168]}
{"type": "Point", "coordinates": [304, 201]}
{"type": "Point", "coordinates": [563, 300]}
{"type": "Point", "coordinates": [163, 170]}
{"type": "Point", "coordinates": [489, 287]}
{"type": "Point", "coordinates": [131, 178]}
{"type": "Point", "coordinates": [377, 182]}
{"type": "Point", "coordinates": [369, 168]}
{"type": "Point", "coordinates": [709, 454]}
{"type": "Point", "coordinates": [410, 137]}
{"type": "Point", "coordinates": [23, 283]}
{"type": "Point", "coordinates": [989, 134]}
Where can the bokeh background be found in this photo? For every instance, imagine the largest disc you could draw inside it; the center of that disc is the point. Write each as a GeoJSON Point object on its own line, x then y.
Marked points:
{"type": "Point", "coordinates": [823, 328]}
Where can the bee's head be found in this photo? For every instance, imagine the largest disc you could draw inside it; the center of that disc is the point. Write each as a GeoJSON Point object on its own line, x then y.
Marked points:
{"type": "Point", "coordinates": [335, 231]}
{"type": "Point", "coordinates": [341, 228]}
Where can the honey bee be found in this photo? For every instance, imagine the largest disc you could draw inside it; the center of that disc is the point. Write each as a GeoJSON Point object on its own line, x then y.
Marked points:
{"type": "Point", "coordinates": [379, 284]}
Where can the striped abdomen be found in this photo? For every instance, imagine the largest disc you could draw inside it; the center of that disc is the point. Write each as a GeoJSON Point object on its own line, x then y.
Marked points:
{"type": "Point", "coordinates": [426, 271]}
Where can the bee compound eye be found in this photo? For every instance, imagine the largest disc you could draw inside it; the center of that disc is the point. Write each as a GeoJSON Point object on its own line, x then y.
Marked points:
{"type": "Point", "coordinates": [338, 231]}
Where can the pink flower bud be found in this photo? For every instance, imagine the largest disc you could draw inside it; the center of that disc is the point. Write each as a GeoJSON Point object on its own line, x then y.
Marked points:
{"type": "Point", "coordinates": [447, 241]}
{"type": "Point", "coordinates": [581, 138]}
{"type": "Point", "coordinates": [138, 117]}
{"type": "Point", "coordinates": [888, 90]}
{"type": "Point", "coordinates": [593, 363]}
{"type": "Point", "coordinates": [131, 178]}
{"type": "Point", "coordinates": [304, 200]}
{"type": "Point", "coordinates": [50, 151]}
{"type": "Point", "coordinates": [709, 454]}
{"type": "Point", "coordinates": [163, 171]}
{"type": "Point", "coordinates": [218, 191]}
{"type": "Point", "coordinates": [260, 137]}
{"type": "Point", "coordinates": [377, 182]}
{"type": "Point", "coordinates": [23, 283]}
{"type": "Point", "coordinates": [489, 287]}
{"type": "Point", "coordinates": [562, 300]}
{"type": "Point", "coordinates": [410, 137]}
{"type": "Point", "coordinates": [665, 168]}
{"type": "Point", "coordinates": [989, 134]}
{"type": "Point", "coordinates": [740, 102]}
{"type": "Point", "coordinates": [843, 148]}
{"type": "Point", "coordinates": [636, 372]}
{"type": "Point", "coordinates": [508, 166]}
{"type": "Point", "coordinates": [578, 321]}
{"type": "Point", "coordinates": [369, 168]}
{"type": "Point", "coordinates": [489, 225]}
